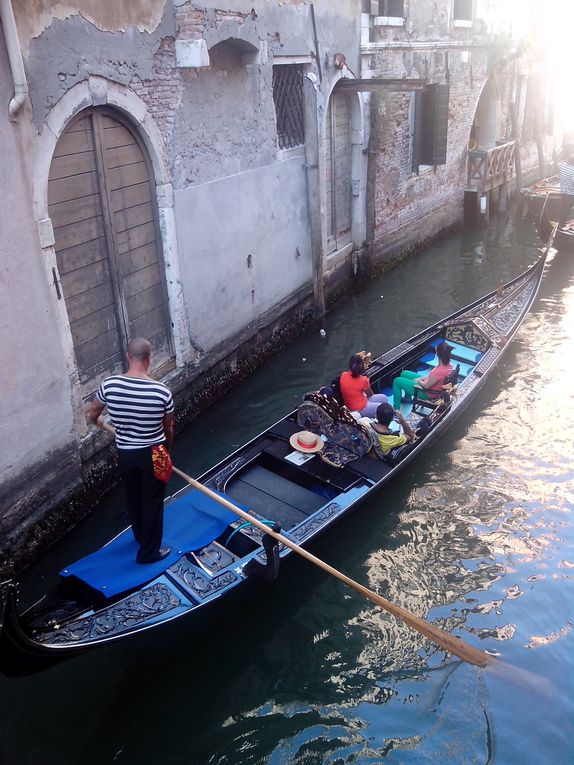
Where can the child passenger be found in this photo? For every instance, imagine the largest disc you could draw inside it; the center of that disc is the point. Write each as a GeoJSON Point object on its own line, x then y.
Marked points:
{"type": "Point", "coordinates": [384, 440]}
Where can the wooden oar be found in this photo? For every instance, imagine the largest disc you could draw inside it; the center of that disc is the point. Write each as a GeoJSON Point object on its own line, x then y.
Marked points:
{"type": "Point", "coordinates": [443, 639]}
{"type": "Point", "coordinates": [452, 644]}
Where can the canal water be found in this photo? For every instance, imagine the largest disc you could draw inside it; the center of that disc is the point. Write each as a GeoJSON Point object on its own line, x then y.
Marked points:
{"type": "Point", "coordinates": [477, 536]}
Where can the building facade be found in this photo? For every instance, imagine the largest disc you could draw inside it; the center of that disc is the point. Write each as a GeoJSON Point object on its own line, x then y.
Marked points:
{"type": "Point", "coordinates": [203, 177]}
{"type": "Point", "coordinates": [485, 116]}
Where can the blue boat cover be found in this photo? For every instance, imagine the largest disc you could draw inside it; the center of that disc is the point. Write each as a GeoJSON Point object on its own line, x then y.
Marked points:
{"type": "Point", "coordinates": [190, 522]}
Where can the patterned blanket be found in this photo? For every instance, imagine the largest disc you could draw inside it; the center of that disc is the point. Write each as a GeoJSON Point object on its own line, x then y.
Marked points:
{"type": "Point", "coordinates": [345, 439]}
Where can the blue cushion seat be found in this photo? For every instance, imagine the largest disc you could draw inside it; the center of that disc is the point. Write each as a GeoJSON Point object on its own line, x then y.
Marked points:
{"type": "Point", "coordinates": [471, 355]}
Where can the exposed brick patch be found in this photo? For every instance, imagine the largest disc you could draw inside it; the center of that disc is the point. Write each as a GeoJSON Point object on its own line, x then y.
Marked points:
{"type": "Point", "coordinates": [190, 23]}
{"type": "Point", "coordinates": [163, 92]}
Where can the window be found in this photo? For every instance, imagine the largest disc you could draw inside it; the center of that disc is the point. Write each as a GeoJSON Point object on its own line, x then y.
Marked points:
{"type": "Point", "coordinates": [462, 10]}
{"type": "Point", "coordinates": [288, 100]}
{"type": "Point", "coordinates": [389, 8]}
{"type": "Point", "coordinates": [431, 126]}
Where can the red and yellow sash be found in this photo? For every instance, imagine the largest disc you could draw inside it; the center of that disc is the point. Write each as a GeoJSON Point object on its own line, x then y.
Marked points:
{"type": "Point", "coordinates": [162, 464]}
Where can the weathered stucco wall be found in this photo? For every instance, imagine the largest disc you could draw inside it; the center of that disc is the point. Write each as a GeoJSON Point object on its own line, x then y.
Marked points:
{"type": "Point", "coordinates": [246, 244]}
{"type": "Point", "coordinates": [226, 121]}
{"type": "Point", "coordinates": [36, 424]}
{"type": "Point", "coordinates": [70, 50]}
{"type": "Point", "coordinates": [34, 17]}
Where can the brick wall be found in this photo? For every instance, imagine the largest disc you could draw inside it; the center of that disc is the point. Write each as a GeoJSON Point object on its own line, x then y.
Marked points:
{"type": "Point", "coordinates": [402, 199]}
{"type": "Point", "coordinates": [163, 91]}
{"type": "Point", "coordinates": [411, 207]}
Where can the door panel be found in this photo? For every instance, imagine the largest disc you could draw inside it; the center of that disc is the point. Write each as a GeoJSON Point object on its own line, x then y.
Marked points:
{"type": "Point", "coordinates": [132, 210]}
{"type": "Point", "coordinates": [101, 199]}
{"type": "Point", "coordinates": [338, 168]}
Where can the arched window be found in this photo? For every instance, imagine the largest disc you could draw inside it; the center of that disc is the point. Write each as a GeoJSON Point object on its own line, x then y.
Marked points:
{"type": "Point", "coordinates": [101, 199]}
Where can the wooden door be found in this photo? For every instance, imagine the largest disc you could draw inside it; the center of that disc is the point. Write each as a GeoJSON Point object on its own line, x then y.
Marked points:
{"type": "Point", "coordinates": [338, 167]}
{"type": "Point", "coordinates": [101, 202]}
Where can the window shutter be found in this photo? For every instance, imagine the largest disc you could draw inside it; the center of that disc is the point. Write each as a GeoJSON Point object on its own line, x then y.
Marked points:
{"type": "Point", "coordinates": [434, 118]}
{"type": "Point", "coordinates": [462, 10]}
{"type": "Point", "coordinates": [417, 131]}
{"type": "Point", "coordinates": [384, 8]}
{"type": "Point", "coordinates": [394, 8]}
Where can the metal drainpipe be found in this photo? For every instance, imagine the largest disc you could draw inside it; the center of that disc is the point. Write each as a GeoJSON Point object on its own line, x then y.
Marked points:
{"type": "Point", "coordinates": [14, 57]}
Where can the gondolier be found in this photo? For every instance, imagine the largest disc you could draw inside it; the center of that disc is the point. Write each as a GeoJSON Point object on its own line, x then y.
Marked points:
{"type": "Point", "coordinates": [141, 410]}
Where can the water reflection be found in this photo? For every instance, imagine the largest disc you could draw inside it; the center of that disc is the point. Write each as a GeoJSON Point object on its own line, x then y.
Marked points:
{"type": "Point", "coordinates": [475, 525]}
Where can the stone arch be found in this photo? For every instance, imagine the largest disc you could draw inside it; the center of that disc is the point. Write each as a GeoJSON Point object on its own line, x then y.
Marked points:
{"type": "Point", "coordinates": [485, 129]}
{"type": "Point", "coordinates": [99, 92]}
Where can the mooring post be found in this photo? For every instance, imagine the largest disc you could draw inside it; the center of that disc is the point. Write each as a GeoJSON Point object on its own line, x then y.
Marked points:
{"type": "Point", "coordinates": [503, 198]}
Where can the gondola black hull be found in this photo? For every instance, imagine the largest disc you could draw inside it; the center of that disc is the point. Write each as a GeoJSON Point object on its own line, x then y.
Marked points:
{"type": "Point", "coordinates": [483, 328]}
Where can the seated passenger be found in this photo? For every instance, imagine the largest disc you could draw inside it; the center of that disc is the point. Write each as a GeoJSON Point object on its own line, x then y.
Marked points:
{"type": "Point", "coordinates": [356, 389]}
{"type": "Point", "coordinates": [384, 440]}
{"type": "Point", "coordinates": [430, 384]}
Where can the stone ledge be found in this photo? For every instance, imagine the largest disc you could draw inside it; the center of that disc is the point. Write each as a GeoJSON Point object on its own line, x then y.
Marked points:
{"type": "Point", "coordinates": [191, 54]}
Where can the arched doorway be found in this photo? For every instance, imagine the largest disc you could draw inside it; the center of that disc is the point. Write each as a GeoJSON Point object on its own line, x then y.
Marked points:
{"type": "Point", "coordinates": [338, 172]}
{"type": "Point", "coordinates": [485, 127]}
{"type": "Point", "coordinates": [101, 200]}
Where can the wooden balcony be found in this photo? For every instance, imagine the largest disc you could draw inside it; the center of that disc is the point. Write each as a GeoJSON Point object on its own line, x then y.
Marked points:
{"type": "Point", "coordinates": [490, 168]}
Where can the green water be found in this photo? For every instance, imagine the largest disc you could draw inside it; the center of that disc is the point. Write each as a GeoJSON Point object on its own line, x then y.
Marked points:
{"type": "Point", "coordinates": [476, 536]}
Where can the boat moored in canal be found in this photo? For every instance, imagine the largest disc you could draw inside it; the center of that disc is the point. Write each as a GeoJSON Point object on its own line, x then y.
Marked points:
{"type": "Point", "coordinates": [543, 195]}
{"type": "Point", "coordinates": [564, 237]}
{"type": "Point", "coordinates": [107, 597]}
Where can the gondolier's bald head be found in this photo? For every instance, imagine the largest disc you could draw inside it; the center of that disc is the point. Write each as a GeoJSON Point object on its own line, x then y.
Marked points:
{"type": "Point", "coordinates": [139, 349]}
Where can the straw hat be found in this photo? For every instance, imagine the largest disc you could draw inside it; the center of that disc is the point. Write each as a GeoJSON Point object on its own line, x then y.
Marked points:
{"type": "Point", "coordinates": [306, 442]}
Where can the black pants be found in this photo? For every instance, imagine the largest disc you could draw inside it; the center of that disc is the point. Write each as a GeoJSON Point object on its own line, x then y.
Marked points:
{"type": "Point", "coordinates": [566, 206]}
{"type": "Point", "coordinates": [144, 499]}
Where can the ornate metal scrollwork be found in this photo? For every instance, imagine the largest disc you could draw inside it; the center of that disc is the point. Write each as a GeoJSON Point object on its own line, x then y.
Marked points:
{"type": "Point", "coordinates": [215, 557]}
{"type": "Point", "coordinates": [308, 527]}
{"type": "Point", "coordinates": [133, 611]}
{"type": "Point", "coordinates": [219, 480]}
{"type": "Point", "coordinates": [490, 331]}
{"type": "Point", "coordinates": [487, 361]}
{"type": "Point", "coordinates": [507, 316]}
{"type": "Point", "coordinates": [200, 585]}
{"type": "Point", "coordinates": [468, 335]}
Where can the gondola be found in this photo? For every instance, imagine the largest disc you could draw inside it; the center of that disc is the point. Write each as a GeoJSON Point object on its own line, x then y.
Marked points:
{"type": "Point", "coordinates": [542, 195]}
{"type": "Point", "coordinates": [107, 597]}
{"type": "Point", "coordinates": [564, 237]}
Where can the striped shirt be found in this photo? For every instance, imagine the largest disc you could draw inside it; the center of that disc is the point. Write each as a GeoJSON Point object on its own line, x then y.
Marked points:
{"type": "Point", "coordinates": [566, 178]}
{"type": "Point", "coordinates": [137, 408]}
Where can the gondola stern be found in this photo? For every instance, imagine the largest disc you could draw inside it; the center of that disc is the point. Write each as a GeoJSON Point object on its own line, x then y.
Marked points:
{"type": "Point", "coordinates": [5, 588]}
{"type": "Point", "coordinates": [19, 654]}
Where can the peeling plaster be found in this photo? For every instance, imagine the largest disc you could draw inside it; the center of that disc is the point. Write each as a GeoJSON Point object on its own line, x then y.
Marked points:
{"type": "Point", "coordinates": [35, 16]}
{"type": "Point", "coordinates": [69, 52]}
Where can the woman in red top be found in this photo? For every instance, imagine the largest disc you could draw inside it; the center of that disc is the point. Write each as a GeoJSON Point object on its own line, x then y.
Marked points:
{"type": "Point", "coordinates": [430, 384]}
{"type": "Point", "coordinates": [356, 390]}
